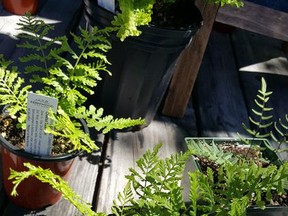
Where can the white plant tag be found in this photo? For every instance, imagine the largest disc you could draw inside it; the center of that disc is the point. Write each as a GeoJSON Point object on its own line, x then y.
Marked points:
{"type": "Point", "coordinates": [36, 140]}
{"type": "Point", "coordinates": [107, 4]}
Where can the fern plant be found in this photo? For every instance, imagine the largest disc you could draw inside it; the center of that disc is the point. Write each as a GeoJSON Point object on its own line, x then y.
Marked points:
{"type": "Point", "coordinates": [262, 119]}
{"type": "Point", "coordinates": [154, 187]}
{"type": "Point", "coordinates": [155, 184]}
{"type": "Point", "coordinates": [263, 124]}
{"type": "Point", "coordinates": [61, 71]}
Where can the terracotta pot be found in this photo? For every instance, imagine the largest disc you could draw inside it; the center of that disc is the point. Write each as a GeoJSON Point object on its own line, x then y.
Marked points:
{"type": "Point", "coordinates": [33, 194]}
{"type": "Point", "coordinates": [20, 7]}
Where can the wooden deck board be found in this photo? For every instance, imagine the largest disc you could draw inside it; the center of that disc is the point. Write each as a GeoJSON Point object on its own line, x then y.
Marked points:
{"type": "Point", "coordinates": [256, 18]}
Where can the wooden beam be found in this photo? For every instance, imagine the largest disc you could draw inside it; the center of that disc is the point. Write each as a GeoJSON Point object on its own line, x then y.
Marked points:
{"type": "Point", "coordinates": [257, 19]}
{"type": "Point", "coordinates": [188, 64]}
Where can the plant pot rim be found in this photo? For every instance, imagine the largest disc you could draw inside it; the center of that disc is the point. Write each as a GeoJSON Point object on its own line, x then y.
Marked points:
{"type": "Point", "coordinates": [45, 158]}
{"type": "Point", "coordinates": [265, 143]}
{"type": "Point", "coordinates": [225, 139]}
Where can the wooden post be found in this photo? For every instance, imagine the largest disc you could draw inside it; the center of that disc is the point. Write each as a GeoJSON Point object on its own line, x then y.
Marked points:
{"type": "Point", "coordinates": [188, 64]}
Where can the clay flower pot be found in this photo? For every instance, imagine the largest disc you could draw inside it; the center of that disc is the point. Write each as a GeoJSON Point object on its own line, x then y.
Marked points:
{"type": "Point", "coordinates": [20, 7]}
{"type": "Point", "coordinates": [33, 194]}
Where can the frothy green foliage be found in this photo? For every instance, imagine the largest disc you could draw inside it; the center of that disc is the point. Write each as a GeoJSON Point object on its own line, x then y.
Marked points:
{"type": "Point", "coordinates": [72, 130]}
{"type": "Point", "coordinates": [63, 72]}
{"type": "Point", "coordinates": [134, 14]}
{"type": "Point", "coordinates": [153, 189]}
{"type": "Point", "coordinates": [13, 91]}
{"type": "Point", "coordinates": [210, 151]}
{"type": "Point", "coordinates": [232, 3]}
{"type": "Point", "coordinates": [95, 118]}
{"type": "Point", "coordinates": [46, 176]}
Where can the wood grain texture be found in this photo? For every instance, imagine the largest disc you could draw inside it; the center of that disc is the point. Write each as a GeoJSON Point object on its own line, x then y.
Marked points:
{"type": "Point", "coordinates": [256, 18]}
{"type": "Point", "coordinates": [217, 97]}
{"type": "Point", "coordinates": [188, 64]}
{"type": "Point", "coordinates": [125, 148]}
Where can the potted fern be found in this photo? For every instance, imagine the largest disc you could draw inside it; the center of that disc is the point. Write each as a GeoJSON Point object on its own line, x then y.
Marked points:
{"type": "Point", "coordinates": [247, 171]}
{"type": "Point", "coordinates": [245, 176]}
{"type": "Point", "coordinates": [46, 123]}
{"type": "Point", "coordinates": [154, 188]}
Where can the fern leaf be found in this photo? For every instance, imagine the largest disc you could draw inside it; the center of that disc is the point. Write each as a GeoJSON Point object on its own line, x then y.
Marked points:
{"type": "Point", "coordinates": [209, 150]}
{"type": "Point", "coordinates": [63, 126]}
{"type": "Point", "coordinates": [13, 92]}
{"type": "Point", "coordinates": [47, 176]}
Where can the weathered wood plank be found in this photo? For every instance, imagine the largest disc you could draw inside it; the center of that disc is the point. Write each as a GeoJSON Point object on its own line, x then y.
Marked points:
{"type": "Point", "coordinates": [125, 148]}
{"type": "Point", "coordinates": [217, 96]}
{"type": "Point", "coordinates": [188, 64]}
{"type": "Point", "coordinates": [256, 18]}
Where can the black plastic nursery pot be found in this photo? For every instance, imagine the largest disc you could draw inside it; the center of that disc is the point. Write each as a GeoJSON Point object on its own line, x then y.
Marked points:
{"type": "Point", "coordinates": [268, 153]}
{"type": "Point", "coordinates": [141, 66]}
{"type": "Point", "coordinates": [32, 194]}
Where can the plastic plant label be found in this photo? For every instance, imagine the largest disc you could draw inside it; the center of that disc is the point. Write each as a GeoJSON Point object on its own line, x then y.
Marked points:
{"type": "Point", "coordinates": [107, 4]}
{"type": "Point", "coordinates": [36, 140]}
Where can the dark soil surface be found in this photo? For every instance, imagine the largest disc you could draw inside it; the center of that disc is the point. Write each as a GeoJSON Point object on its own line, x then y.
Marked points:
{"type": "Point", "coordinates": [181, 14]}
{"type": "Point", "coordinates": [16, 136]}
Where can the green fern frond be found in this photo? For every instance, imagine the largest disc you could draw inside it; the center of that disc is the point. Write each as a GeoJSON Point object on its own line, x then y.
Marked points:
{"type": "Point", "coordinates": [33, 32]}
{"type": "Point", "coordinates": [13, 92]}
{"type": "Point", "coordinates": [155, 185]}
{"type": "Point", "coordinates": [239, 206]}
{"type": "Point", "coordinates": [262, 118]}
{"type": "Point", "coordinates": [232, 3]}
{"type": "Point", "coordinates": [64, 127]}
{"type": "Point", "coordinates": [209, 150]}
{"type": "Point", "coordinates": [124, 198]}
{"type": "Point", "coordinates": [201, 192]}
{"type": "Point", "coordinates": [95, 119]}
{"type": "Point", "coordinates": [55, 181]}
{"type": "Point", "coordinates": [133, 14]}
